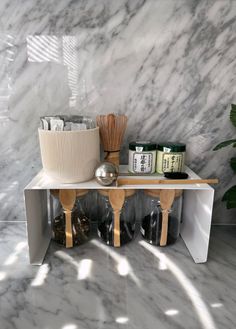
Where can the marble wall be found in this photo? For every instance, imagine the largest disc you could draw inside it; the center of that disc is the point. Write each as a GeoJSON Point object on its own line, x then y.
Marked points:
{"type": "Point", "coordinates": [170, 65]}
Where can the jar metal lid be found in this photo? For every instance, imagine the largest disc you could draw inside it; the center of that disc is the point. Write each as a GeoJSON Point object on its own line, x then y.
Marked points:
{"type": "Point", "coordinates": [172, 146]}
{"type": "Point", "coordinates": [146, 145]}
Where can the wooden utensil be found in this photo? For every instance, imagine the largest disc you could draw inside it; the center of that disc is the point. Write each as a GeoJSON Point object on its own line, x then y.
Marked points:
{"type": "Point", "coordinates": [166, 201]}
{"type": "Point", "coordinates": [117, 198]}
{"type": "Point", "coordinates": [112, 128]}
{"type": "Point", "coordinates": [142, 181]}
{"type": "Point", "coordinates": [67, 199]}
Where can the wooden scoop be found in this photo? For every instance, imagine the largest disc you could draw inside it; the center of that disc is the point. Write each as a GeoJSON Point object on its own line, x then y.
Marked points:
{"type": "Point", "coordinates": [117, 198]}
{"type": "Point", "coordinates": [67, 199]}
{"type": "Point", "coordinates": [166, 200]}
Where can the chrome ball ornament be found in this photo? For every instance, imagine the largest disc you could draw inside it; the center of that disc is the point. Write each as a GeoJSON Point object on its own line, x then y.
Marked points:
{"type": "Point", "coordinates": [106, 173]}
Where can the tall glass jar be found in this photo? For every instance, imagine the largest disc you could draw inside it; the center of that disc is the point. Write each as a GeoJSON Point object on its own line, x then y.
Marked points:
{"type": "Point", "coordinates": [106, 218]}
{"type": "Point", "coordinates": [79, 219]}
{"type": "Point", "coordinates": [151, 224]}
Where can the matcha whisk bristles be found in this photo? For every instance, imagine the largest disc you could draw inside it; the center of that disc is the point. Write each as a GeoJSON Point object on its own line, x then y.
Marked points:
{"type": "Point", "coordinates": [112, 129]}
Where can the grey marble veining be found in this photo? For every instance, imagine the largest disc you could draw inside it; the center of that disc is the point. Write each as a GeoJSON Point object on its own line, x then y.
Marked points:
{"type": "Point", "coordinates": [169, 65]}
{"type": "Point", "coordinates": [136, 286]}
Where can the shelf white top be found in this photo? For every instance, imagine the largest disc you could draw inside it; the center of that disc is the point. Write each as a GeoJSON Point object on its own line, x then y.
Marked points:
{"type": "Point", "coordinates": [42, 182]}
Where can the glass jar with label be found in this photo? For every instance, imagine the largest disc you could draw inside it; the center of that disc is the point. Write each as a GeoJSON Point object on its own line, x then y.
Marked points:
{"type": "Point", "coordinates": [106, 218]}
{"type": "Point", "coordinates": [151, 224]}
{"type": "Point", "coordinates": [170, 157]}
{"type": "Point", "coordinates": [79, 219]}
{"type": "Point", "coordinates": [142, 157]}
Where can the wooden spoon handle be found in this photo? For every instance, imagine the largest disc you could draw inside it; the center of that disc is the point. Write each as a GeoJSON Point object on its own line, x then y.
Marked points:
{"type": "Point", "coordinates": [140, 181]}
{"type": "Point", "coordinates": [116, 228]}
{"type": "Point", "coordinates": [69, 239]}
{"type": "Point", "coordinates": [164, 228]}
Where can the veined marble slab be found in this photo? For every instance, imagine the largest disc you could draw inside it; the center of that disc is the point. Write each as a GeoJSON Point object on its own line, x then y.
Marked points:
{"type": "Point", "coordinates": [169, 65]}
{"type": "Point", "coordinates": [135, 287]}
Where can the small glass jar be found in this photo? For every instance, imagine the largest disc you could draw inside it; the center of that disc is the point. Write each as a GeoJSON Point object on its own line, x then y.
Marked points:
{"type": "Point", "coordinates": [106, 218]}
{"type": "Point", "coordinates": [151, 224]}
{"type": "Point", "coordinates": [79, 219]}
{"type": "Point", "coordinates": [170, 157]}
{"type": "Point", "coordinates": [142, 157]}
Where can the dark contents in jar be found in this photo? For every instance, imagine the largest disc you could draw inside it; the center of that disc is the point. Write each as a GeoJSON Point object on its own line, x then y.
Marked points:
{"type": "Point", "coordinates": [80, 228]}
{"type": "Point", "coordinates": [105, 231]}
{"type": "Point", "coordinates": [152, 225]}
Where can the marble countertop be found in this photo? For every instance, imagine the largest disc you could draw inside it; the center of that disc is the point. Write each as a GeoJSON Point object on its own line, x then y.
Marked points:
{"type": "Point", "coordinates": [135, 287]}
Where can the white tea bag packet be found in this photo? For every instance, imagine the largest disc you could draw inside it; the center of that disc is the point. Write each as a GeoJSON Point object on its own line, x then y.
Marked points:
{"type": "Point", "coordinates": [44, 124]}
{"type": "Point", "coordinates": [67, 126]}
{"type": "Point", "coordinates": [56, 124]}
{"type": "Point", "coordinates": [78, 126]}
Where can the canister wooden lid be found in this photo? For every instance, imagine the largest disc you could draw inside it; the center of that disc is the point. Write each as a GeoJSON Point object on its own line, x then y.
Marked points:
{"type": "Point", "coordinates": [128, 193]}
{"type": "Point", "coordinates": [156, 193]}
{"type": "Point", "coordinates": [79, 193]}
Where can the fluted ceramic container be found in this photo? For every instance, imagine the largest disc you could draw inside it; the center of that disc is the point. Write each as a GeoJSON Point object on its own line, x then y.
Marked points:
{"type": "Point", "coordinates": [70, 156]}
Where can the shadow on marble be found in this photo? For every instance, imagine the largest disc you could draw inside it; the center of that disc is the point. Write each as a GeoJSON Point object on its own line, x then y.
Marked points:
{"type": "Point", "coordinates": [136, 286]}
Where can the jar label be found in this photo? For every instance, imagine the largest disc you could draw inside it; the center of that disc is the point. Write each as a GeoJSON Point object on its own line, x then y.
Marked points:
{"type": "Point", "coordinates": [142, 163]}
{"type": "Point", "coordinates": [172, 162]}
{"type": "Point", "coordinates": [139, 148]}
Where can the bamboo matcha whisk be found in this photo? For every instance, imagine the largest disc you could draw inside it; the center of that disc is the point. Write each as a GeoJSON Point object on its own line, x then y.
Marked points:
{"type": "Point", "coordinates": [112, 128]}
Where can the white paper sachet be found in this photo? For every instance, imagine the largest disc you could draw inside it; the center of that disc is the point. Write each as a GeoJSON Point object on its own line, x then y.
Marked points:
{"type": "Point", "coordinates": [67, 126]}
{"type": "Point", "coordinates": [44, 124]}
{"type": "Point", "coordinates": [78, 126]}
{"type": "Point", "coordinates": [57, 124]}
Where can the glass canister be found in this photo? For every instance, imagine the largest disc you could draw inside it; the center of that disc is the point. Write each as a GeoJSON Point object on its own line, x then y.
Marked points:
{"type": "Point", "coordinates": [106, 218]}
{"type": "Point", "coordinates": [151, 224]}
{"type": "Point", "coordinates": [80, 223]}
